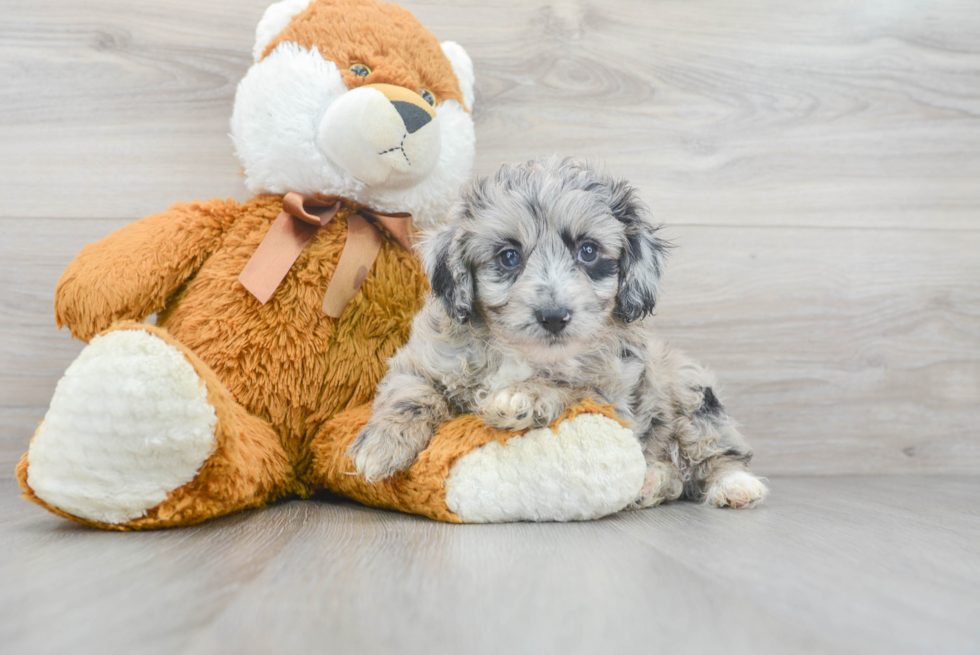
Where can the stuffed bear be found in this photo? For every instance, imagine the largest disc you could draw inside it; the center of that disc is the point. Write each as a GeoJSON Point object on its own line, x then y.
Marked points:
{"type": "Point", "coordinates": [276, 316]}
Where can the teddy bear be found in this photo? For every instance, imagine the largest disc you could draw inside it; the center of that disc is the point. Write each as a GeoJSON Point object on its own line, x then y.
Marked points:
{"type": "Point", "coordinates": [275, 316]}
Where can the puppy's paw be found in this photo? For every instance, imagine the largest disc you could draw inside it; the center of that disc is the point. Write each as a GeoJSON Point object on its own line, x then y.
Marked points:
{"type": "Point", "coordinates": [382, 449]}
{"type": "Point", "coordinates": [510, 410]}
{"type": "Point", "coordinates": [662, 482]}
{"type": "Point", "coordinates": [737, 489]}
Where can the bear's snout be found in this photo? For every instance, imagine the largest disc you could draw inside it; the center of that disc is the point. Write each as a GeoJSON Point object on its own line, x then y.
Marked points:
{"type": "Point", "coordinates": [381, 134]}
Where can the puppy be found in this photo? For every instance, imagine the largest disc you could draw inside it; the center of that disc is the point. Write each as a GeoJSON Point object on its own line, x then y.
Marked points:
{"type": "Point", "coordinates": [542, 284]}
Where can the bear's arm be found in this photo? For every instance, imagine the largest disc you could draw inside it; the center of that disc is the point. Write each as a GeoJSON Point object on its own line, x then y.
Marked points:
{"type": "Point", "coordinates": [131, 273]}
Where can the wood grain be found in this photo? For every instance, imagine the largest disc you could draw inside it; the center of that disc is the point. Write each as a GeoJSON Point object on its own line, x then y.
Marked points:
{"type": "Point", "coordinates": [840, 351]}
{"type": "Point", "coordinates": [828, 565]}
{"type": "Point", "coordinates": [723, 113]}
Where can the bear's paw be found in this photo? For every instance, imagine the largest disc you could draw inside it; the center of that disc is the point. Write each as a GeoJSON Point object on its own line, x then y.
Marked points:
{"type": "Point", "coordinates": [129, 422]}
{"type": "Point", "coordinates": [587, 467]}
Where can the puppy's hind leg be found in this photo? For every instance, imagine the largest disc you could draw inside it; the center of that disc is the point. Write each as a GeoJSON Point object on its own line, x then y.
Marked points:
{"type": "Point", "coordinates": [732, 484]}
{"type": "Point", "coordinates": [717, 455]}
{"type": "Point", "coordinates": [662, 483]}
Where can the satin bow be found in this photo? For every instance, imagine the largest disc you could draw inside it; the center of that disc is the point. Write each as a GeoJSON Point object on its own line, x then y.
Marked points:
{"type": "Point", "coordinates": [296, 226]}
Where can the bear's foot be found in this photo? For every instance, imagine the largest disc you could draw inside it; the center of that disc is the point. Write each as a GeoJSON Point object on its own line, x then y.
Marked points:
{"type": "Point", "coordinates": [585, 467]}
{"type": "Point", "coordinates": [129, 422]}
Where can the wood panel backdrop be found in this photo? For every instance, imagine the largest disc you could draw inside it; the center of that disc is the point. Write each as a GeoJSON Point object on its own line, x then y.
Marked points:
{"type": "Point", "coordinates": [818, 171]}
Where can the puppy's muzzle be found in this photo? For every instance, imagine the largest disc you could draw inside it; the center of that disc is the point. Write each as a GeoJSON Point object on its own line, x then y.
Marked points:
{"type": "Point", "coordinates": [553, 319]}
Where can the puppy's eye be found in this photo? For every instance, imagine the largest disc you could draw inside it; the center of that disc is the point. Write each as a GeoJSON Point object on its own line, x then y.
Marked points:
{"type": "Point", "coordinates": [360, 70]}
{"type": "Point", "coordinates": [509, 259]}
{"type": "Point", "coordinates": [427, 96]}
{"type": "Point", "coordinates": [588, 253]}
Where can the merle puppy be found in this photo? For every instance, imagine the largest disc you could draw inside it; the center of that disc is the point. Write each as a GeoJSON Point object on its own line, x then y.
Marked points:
{"type": "Point", "coordinates": [542, 284]}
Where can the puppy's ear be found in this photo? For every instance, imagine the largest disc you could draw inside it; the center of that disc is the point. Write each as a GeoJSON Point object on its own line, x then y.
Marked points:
{"type": "Point", "coordinates": [642, 259]}
{"type": "Point", "coordinates": [442, 257]}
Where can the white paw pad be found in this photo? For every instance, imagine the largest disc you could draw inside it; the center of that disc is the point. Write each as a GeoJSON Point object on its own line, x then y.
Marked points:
{"type": "Point", "coordinates": [129, 422]}
{"type": "Point", "coordinates": [738, 489]}
{"type": "Point", "coordinates": [590, 466]}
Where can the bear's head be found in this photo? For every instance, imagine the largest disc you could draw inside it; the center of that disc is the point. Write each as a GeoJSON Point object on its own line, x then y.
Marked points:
{"type": "Point", "coordinates": [354, 98]}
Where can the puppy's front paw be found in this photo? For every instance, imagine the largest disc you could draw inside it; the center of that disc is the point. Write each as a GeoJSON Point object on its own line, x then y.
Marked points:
{"type": "Point", "coordinates": [381, 449]}
{"type": "Point", "coordinates": [737, 489]}
{"type": "Point", "coordinates": [510, 410]}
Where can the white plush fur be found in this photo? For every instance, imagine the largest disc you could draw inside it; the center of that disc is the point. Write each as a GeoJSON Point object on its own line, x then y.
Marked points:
{"type": "Point", "coordinates": [129, 422]}
{"type": "Point", "coordinates": [274, 20]}
{"type": "Point", "coordinates": [590, 467]}
{"type": "Point", "coordinates": [279, 107]}
{"type": "Point", "coordinates": [463, 67]}
{"type": "Point", "coordinates": [362, 133]}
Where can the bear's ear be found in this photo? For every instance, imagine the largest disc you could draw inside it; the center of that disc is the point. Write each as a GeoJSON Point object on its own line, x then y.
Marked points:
{"type": "Point", "coordinates": [274, 20]}
{"type": "Point", "coordinates": [463, 67]}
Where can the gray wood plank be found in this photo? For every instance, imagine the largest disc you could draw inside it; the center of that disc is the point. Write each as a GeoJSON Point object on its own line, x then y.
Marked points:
{"type": "Point", "coordinates": [840, 351]}
{"type": "Point", "coordinates": [17, 425]}
{"type": "Point", "coordinates": [828, 565]}
{"type": "Point", "coordinates": [844, 351]}
{"type": "Point", "coordinates": [851, 557]}
{"type": "Point", "coordinates": [522, 589]}
{"type": "Point", "coordinates": [69, 588]}
{"type": "Point", "coordinates": [844, 114]}
{"type": "Point", "coordinates": [115, 108]}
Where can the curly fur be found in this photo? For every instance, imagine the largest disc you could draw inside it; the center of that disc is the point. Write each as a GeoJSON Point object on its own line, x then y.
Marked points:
{"type": "Point", "coordinates": [482, 342]}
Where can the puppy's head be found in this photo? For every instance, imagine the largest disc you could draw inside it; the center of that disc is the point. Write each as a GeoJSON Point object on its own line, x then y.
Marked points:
{"type": "Point", "coordinates": [547, 253]}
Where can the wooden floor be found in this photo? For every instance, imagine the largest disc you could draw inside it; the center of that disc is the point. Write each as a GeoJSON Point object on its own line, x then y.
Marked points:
{"type": "Point", "coordinates": [830, 565]}
{"type": "Point", "coordinates": [816, 163]}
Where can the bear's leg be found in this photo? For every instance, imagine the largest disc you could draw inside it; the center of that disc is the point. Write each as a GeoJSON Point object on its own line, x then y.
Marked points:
{"type": "Point", "coordinates": [142, 434]}
{"type": "Point", "coordinates": [583, 466]}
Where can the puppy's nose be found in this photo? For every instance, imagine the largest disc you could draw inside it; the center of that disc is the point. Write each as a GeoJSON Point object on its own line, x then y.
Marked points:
{"type": "Point", "coordinates": [554, 319]}
{"type": "Point", "coordinates": [414, 117]}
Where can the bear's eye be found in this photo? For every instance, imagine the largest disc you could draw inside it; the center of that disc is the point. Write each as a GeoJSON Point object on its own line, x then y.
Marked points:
{"type": "Point", "coordinates": [360, 70]}
{"type": "Point", "coordinates": [588, 253]}
{"type": "Point", "coordinates": [509, 259]}
{"type": "Point", "coordinates": [427, 96]}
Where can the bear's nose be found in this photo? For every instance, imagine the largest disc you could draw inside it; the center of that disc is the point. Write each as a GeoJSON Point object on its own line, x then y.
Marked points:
{"type": "Point", "coordinates": [554, 319]}
{"type": "Point", "coordinates": [414, 117]}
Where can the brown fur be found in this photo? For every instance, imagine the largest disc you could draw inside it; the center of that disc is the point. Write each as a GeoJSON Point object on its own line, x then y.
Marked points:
{"type": "Point", "coordinates": [250, 467]}
{"type": "Point", "coordinates": [421, 488]}
{"type": "Point", "coordinates": [274, 397]}
{"type": "Point", "coordinates": [384, 37]}
{"type": "Point", "coordinates": [184, 263]}
{"type": "Point", "coordinates": [289, 384]}
{"type": "Point", "coordinates": [272, 394]}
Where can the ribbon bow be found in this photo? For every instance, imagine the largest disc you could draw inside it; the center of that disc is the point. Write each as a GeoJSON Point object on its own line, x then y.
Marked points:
{"type": "Point", "coordinates": [296, 226]}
